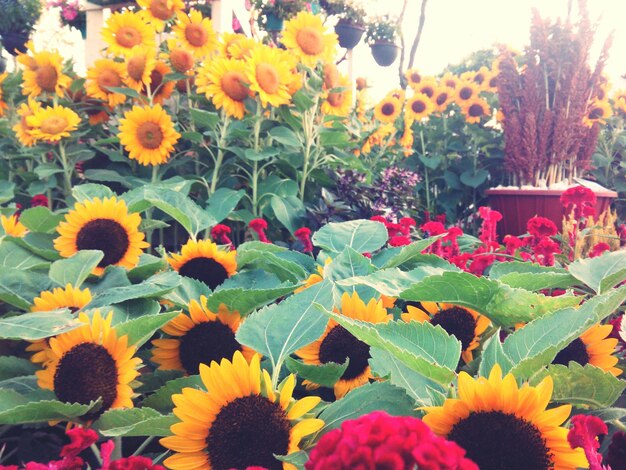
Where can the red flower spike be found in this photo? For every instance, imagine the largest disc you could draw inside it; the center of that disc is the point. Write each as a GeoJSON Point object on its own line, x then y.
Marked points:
{"type": "Point", "coordinates": [512, 244]}
{"type": "Point", "coordinates": [304, 235]}
{"type": "Point", "coordinates": [134, 463]}
{"type": "Point", "coordinates": [379, 218]}
{"type": "Point", "coordinates": [433, 228]}
{"type": "Point", "coordinates": [259, 226]}
{"type": "Point", "coordinates": [598, 249]}
{"type": "Point", "coordinates": [39, 200]}
{"type": "Point", "coordinates": [545, 250]}
{"type": "Point", "coordinates": [577, 198]}
{"type": "Point", "coordinates": [441, 218]}
{"type": "Point", "coordinates": [583, 433]}
{"type": "Point", "coordinates": [220, 233]}
{"type": "Point", "coordinates": [540, 227]}
{"type": "Point", "coordinates": [80, 439]}
{"type": "Point", "coordinates": [399, 240]}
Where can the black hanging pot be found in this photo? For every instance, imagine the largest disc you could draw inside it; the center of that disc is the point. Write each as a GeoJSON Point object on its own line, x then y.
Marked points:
{"type": "Point", "coordinates": [15, 42]}
{"type": "Point", "coordinates": [385, 53]}
{"type": "Point", "coordinates": [349, 34]}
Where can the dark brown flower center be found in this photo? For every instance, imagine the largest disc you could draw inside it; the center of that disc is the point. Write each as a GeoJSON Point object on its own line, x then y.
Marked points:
{"type": "Point", "coordinates": [233, 84]}
{"type": "Point", "coordinates": [310, 40]}
{"type": "Point", "coordinates": [54, 125]}
{"type": "Point", "coordinates": [108, 78]}
{"type": "Point", "coordinates": [247, 432]}
{"type": "Point", "coordinates": [267, 76]}
{"type": "Point", "coordinates": [418, 106]}
{"type": "Point", "coordinates": [596, 113]}
{"type": "Point", "coordinates": [196, 35]}
{"type": "Point", "coordinates": [85, 373]}
{"type": "Point", "coordinates": [136, 66]}
{"type": "Point", "coordinates": [476, 110]}
{"type": "Point", "coordinates": [150, 135]}
{"type": "Point", "coordinates": [388, 109]}
{"type": "Point", "coordinates": [340, 345]}
{"type": "Point", "coordinates": [159, 10]}
{"type": "Point", "coordinates": [46, 77]}
{"type": "Point", "coordinates": [206, 342]}
{"type": "Point", "coordinates": [500, 441]}
{"type": "Point", "coordinates": [457, 322]}
{"type": "Point", "coordinates": [441, 98]}
{"type": "Point", "coordinates": [128, 37]}
{"type": "Point", "coordinates": [416, 77]}
{"type": "Point", "coordinates": [428, 91]}
{"type": "Point", "coordinates": [181, 60]}
{"type": "Point", "coordinates": [205, 270]}
{"type": "Point", "coordinates": [466, 93]}
{"type": "Point", "coordinates": [336, 99]}
{"type": "Point", "coordinates": [106, 235]}
{"type": "Point", "coordinates": [575, 351]}
{"type": "Point", "coordinates": [479, 78]}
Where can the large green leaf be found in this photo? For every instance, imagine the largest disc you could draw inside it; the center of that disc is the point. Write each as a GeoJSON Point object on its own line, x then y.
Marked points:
{"type": "Point", "coordinates": [410, 252]}
{"type": "Point", "coordinates": [40, 244]}
{"type": "Point", "coordinates": [135, 422]}
{"type": "Point", "coordinates": [12, 255]}
{"type": "Point", "coordinates": [391, 282]}
{"type": "Point", "coordinates": [16, 408]}
{"type": "Point", "coordinates": [11, 366]}
{"type": "Point", "coordinates": [532, 276]}
{"type": "Point", "coordinates": [325, 375]}
{"type": "Point", "coordinates": [162, 399]}
{"type": "Point", "coordinates": [19, 288]}
{"type": "Point", "coordinates": [155, 286]}
{"type": "Point", "coordinates": [75, 269]}
{"type": "Point", "coordinates": [148, 266]}
{"type": "Point", "coordinates": [86, 191]}
{"type": "Point", "coordinates": [289, 211]}
{"type": "Point", "coordinates": [141, 329]}
{"type": "Point", "coordinates": [222, 202]}
{"type": "Point", "coordinates": [40, 219]}
{"type": "Point", "coordinates": [188, 289]}
{"type": "Point", "coordinates": [132, 309]}
{"type": "Point", "coordinates": [37, 325]}
{"type": "Point", "coordinates": [280, 329]}
{"type": "Point", "coordinates": [363, 236]}
{"type": "Point", "coordinates": [602, 272]}
{"type": "Point", "coordinates": [246, 300]}
{"type": "Point", "coordinates": [276, 263]}
{"type": "Point", "coordinates": [492, 354]}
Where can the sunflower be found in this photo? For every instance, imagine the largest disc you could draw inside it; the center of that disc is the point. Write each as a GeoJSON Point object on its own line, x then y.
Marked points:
{"type": "Point", "coordinates": [481, 77]}
{"type": "Point", "coordinates": [159, 89]}
{"type": "Point", "coordinates": [103, 225]}
{"type": "Point", "coordinates": [418, 107]}
{"type": "Point", "coordinates": [491, 82]}
{"type": "Point", "coordinates": [52, 124]}
{"type": "Point", "coordinates": [388, 109]}
{"type": "Point", "coordinates": [475, 109]}
{"type": "Point", "coordinates": [597, 111]}
{"type": "Point", "coordinates": [224, 82]}
{"type": "Point", "coordinates": [148, 134]}
{"type": "Point", "coordinates": [125, 30]}
{"type": "Point", "coordinates": [91, 363]}
{"type": "Point", "coordinates": [159, 12]}
{"type": "Point", "coordinates": [138, 68]}
{"type": "Point", "coordinates": [428, 86]}
{"type": "Point", "coordinates": [338, 103]}
{"type": "Point", "coordinates": [180, 58]}
{"type": "Point", "coordinates": [195, 33]}
{"type": "Point", "coordinates": [522, 434]}
{"type": "Point", "coordinates": [3, 105]}
{"type": "Point", "coordinates": [44, 74]}
{"type": "Point", "coordinates": [406, 141]}
{"type": "Point", "coordinates": [240, 422]}
{"type": "Point", "coordinates": [305, 37]}
{"type": "Point", "coordinates": [464, 324]}
{"type": "Point", "coordinates": [21, 128]}
{"type": "Point", "coordinates": [239, 47]}
{"type": "Point", "coordinates": [12, 226]}
{"type": "Point", "coordinates": [593, 347]}
{"type": "Point", "coordinates": [465, 91]}
{"type": "Point", "coordinates": [413, 78]}
{"type": "Point", "coordinates": [204, 261]}
{"type": "Point", "coordinates": [69, 297]}
{"type": "Point", "coordinates": [620, 104]}
{"type": "Point", "coordinates": [104, 74]}
{"type": "Point", "coordinates": [336, 344]}
{"type": "Point", "coordinates": [442, 97]}
{"type": "Point", "coordinates": [202, 337]}
{"type": "Point", "coordinates": [269, 73]}
{"type": "Point", "coordinates": [449, 80]}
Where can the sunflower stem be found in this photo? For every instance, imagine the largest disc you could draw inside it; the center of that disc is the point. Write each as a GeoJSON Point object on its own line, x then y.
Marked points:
{"type": "Point", "coordinates": [220, 154]}
{"type": "Point", "coordinates": [255, 166]}
{"type": "Point", "coordinates": [67, 171]}
{"type": "Point", "coordinates": [96, 453]}
{"type": "Point", "coordinates": [425, 169]}
{"type": "Point", "coordinates": [117, 450]}
{"type": "Point", "coordinates": [143, 445]}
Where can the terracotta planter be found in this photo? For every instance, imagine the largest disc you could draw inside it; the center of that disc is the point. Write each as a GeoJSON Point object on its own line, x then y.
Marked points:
{"type": "Point", "coordinates": [519, 205]}
{"type": "Point", "coordinates": [385, 53]}
{"type": "Point", "coordinates": [349, 34]}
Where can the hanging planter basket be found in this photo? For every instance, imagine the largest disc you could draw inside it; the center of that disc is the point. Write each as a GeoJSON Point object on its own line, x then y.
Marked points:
{"type": "Point", "coordinates": [349, 34]}
{"type": "Point", "coordinates": [385, 53]}
{"type": "Point", "coordinates": [14, 43]}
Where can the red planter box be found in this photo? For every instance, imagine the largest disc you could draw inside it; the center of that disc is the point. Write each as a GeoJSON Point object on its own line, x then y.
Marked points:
{"type": "Point", "coordinates": [519, 205]}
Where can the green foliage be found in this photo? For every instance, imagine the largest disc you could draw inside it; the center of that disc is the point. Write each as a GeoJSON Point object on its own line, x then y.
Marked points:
{"type": "Point", "coordinates": [383, 28]}
{"type": "Point", "coordinates": [19, 16]}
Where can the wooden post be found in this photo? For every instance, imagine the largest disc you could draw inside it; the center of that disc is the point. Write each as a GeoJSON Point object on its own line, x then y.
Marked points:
{"type": "Point", "coordinates": [222, 15]}
{"type": "Point", "coordinates": [95, 22]}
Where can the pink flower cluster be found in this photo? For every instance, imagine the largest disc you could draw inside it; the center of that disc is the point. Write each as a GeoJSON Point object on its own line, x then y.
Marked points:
{"type": "Point", "coordinates": [69, 8]}
{"type": "Point", "coordinates": [378, 440]}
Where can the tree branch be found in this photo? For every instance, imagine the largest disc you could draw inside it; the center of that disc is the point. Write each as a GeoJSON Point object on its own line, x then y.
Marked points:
{"type": "Point", "coordinates": [418, 36]}
{"type": "Point", "coordinates": [399, 26]}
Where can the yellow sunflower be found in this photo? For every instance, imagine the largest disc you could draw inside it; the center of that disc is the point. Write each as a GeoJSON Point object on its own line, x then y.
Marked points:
{"type": "Point", "coordinates": [44, 74]}
{"type": "Point", "coordinates": [475, 109]}
{"type": "Point", "coordinates": [201, 338]}
{"type": "Point", "coordinates": [442, 97]}
{"type": "Point", "coordinates": [52, 124]}
{"type": "Point", "coordinates": [180, 58]}
{"type": "Point", "coordinates": [338, 103]}
{"type": "Point", "coordinates": [481, 77]}
{"type": "Point", "coordinates": [336, 344]}
{"type": "Point", "coordinates": [306, 38]}
{"type": "Point", "coordinates": [148, 134]}
{"type": "Point", "coordinates": [620, 104]}
{"type": "Point", "coordinates": [125, 30]}
{"type": "Point", "coordinates": [68, 297]}
{"type": "Point", "coordinates": [593, 347]}
{"type": "Point", "coordinates": [159, 12]}
{"type": "Point", "coordinates": [503, 426]}
{"type": "Point", "coordinates": [269, 72]}
{"type": "Point", "coordinates": [3, 105]}
{"type": "Point", "coordinates": [103, 225]}
{"type": "Point", "coordinates": [406, 141]}
{"type": "Point", "coordinates": [195, 33]}
{"type": "Point", "coordinates": [158, 89]}
{"type": "Point", "coordinates": [388, 110]}
{"type": "Point", "coordinates": [413, 78]}
{"type": "Point", "coordinates": [428, 87]}
{"type": "Point", "coordinates": [466, 91]}
{"type": "Point", "coordinates": [597, 111]}
{"type": "Point", "coordinates": [464, 324]}
{"type": "Point", "coordinates": [224, 82]}
{"type": "Point", "coordinates": [418, 107]}
{"type": "Point", "coordinates": [91, 362]}
{"type": "Point", "coordinates": [236, 46]}
{"type": "Point", "coordinates": [211, 433]}
{"type": "Point", "coordinates": [21, 128]}
{"type": "Point", "coordinates": [491, 82]}
{"type": "Point", "coordinates": [103, 75]}
{"type": "Point", "coordinates": [204, 261]}
{"type": "Point", "coordinates": [449, 80]}
{"type": "Point", "coordinates": [12, 226]}
{"type": "Point", "coordinates": [138, 68]}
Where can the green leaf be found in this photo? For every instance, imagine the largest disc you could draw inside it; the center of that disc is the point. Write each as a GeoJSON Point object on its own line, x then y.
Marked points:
{"type": "Point", "coordinates": [148, 265]}
{"type": "Point", "coordinates": [141, 329]}
{"type": "Point", "coordinates": [155, 286]}
{"type": "Point", "coordinates": [493, 354]}
{"type": "Point", "coordinates": [285, 136]}
{"type": "Point", "coordinates": [297, 459]}
{"type": "Point", "coordinates": [222, 202]}
{"type": "Point", "coordinates": [600, 273]}
{"type": "Point", "coordinates": [40, 219]}
{"type": "Point", "coordinates": [204, 119]}
{"type": "Point", "coordinates": [19, 288]}
{"type": "Point", "coordinates": [246, 300]}
{"type": "Point", "coordinates": [289, 211]}
{"type": "Point", "coordinates": [474, 179]}
{"type": "Point", "coordinates": [16, 408]}
{"type": "Point", "coordinates": [46, 170]}
{"type": "Point", "coordinates": [37, 325]}
{"type": "Point", "coordinates": [12, 255]}
{"type": "Point", "coordinates": [410, 252]}
{"type": "Point", "coordinates": [7, 190]}
{"type": "Point", "coordinates": [125, 91]}
{"type": "Point", "coordinates": [254, 156]}
{"type": "Point", "coordinates": [75, 269]}
{"type": "Point", "coordinates": [333, 137]}
{"type": "Point", "coordinates": [162, 399]}
{"type": "Point", "coordinates": [11, 366]}
{"type": "Point", "coordinates": [421, 346]}
{"type": "Point", "coordinates": [325, 375]}
{"type": "Point", "coordinates": [363, 236]}
{"type": "Point", "coordinates": [134, 422]}
{"type": "Point", "coordinates": [378, 396]}
{"type": "Point", "coordinates": [188, 289]}
{"type": "Point", "coordinates": [531, 276]}
{"type": "Point", "coordinates": [586, 387]}
{"type": "Point", "coordinates": [425, 392]}
{"type": "Point", "coordinates": [86, 191]}
{"type": "Point", "coordinates": [39, 243]}
{"type": "Point", "coordinates": [132, 309]}
{"type": "Point", "coordinates": [280, 329]}
{"type": "Point", "coordinates": [26, 384]}
{"type": "Point", "coordinates": [391, 282]}
{"type": "Point", "coordinates": [285, 269]}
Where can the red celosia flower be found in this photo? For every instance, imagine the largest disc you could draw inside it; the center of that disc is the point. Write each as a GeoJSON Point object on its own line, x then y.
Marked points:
{"type": "Point", "coordinates": [584, 434]}
{"type": "Point", "coordinates": [134, 463]}
{"type": "Point", "coordinates": [487, 233]}
{"type": "Point", "coordinates": [598, 249]}
{"type": "Point", "coordinates": [220, 233]}
{"type": "Point", "coordinates": [39, 200]}
{"type": "Point", "coordinates": [80, 439]}
{"type": "Point", "coordinates": [480, 263]}
{"type": "Point", "coordinates": [405, 225]}
{"type": "Point", "coordinates": [304, 235]}
{"type": "Point", "coordinates": [378, 440]}
{"type": "Point", "coordinates": [512, 244]}
{"type": "Point", "coordinates": [577, 198]}
{"type": "Point", "coordinates": [540, 227]}
{"type": "Point", "coordinates": [399, 240]}
{"type": "Point", "coordinates": [394, 229]}
{"type": "Point", "coordinates": [379, 218]}
{"type": "Point", "coordinates": [8, 467]}
{"type": "Point", "coordinates": [589, 211]}
{"type": "Point", "coordinates": [259, 226]}
{"type": "Point", "coordinates": [433, 228]}
{"type": "Point", "coordinates": [545, 250]}
{"type": "Point", "coordinates": [441, 218]}
{"type": "Point", "coordinates": [616, 455]}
